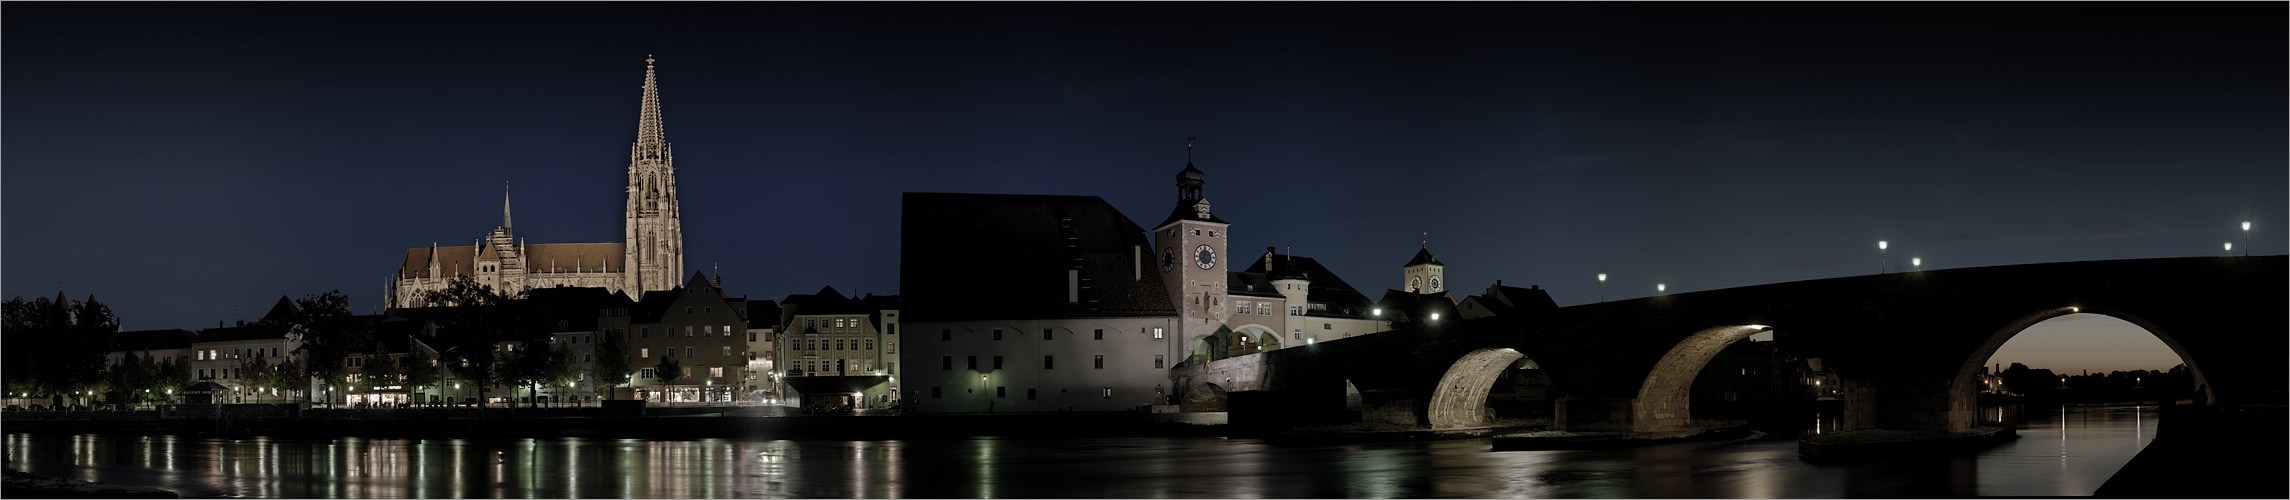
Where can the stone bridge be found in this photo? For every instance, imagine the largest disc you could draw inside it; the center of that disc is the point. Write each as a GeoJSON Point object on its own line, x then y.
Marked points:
{"type": "Point", "coordinates": [1907, 347]}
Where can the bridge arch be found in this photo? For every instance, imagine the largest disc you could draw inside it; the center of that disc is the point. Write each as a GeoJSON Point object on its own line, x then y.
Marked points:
{"type": "Point", "coordinates": [1963, 395]}
{"type": "Point", "coordinates": [1665, 398]}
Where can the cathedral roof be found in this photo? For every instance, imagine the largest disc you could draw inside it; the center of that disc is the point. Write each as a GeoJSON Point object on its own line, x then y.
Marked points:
{"type": "Point", "coordinates": [575, 257]}
{"type": "Point", "coordinates": [997, 256]}
{"type": "Point", "coordinates": [451, 260]}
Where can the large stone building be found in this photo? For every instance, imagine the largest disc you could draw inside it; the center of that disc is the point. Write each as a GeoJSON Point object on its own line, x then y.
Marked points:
{"type": "Point", "coordinates": [840, 352]}
{"type": "Point", "coordinates": [650, 256]}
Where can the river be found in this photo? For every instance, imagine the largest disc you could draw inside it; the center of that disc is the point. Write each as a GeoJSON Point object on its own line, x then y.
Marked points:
{"type": "Point", "coordinates": [2061, 451]}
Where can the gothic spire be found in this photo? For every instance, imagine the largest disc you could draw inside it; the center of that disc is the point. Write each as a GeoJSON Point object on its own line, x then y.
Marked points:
{"type": "Point", "coordinates": [651, 136]}
{"type": "Point", "coordinates": [505, 205]}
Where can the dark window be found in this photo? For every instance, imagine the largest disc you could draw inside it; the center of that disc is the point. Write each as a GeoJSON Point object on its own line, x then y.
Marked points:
{"type": "Point", "coordinates": [973, 362]}
{"type": "Point", "coordinates": [1029, 393]}
{"type": "Point", "coordinates": [1157, 361]}
{"type": "Point", "coordinates": [1100, 334]}
{"type": "Point", "coordinates": [1001, 392]}
{"type": "Point", "coordinates": [1099, 360]}
{"type": "Point", "coordinates": [1046, 334]}
{"type": "Point", "coordinates": [945, 362]}
{"type": "Point", "coordinates": [946, 335]}
{"type": "Point", "coordinates": [934, 392]}
{"type": "Point", "coordinates": [1049, 362]}
{"type": "Point", "coordinates": [997, 361]}
{"type": "Point", "coordinates": [997, 334]}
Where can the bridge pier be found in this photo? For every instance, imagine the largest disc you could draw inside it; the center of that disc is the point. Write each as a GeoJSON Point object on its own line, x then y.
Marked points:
{"type": "Point", "coordinates": [1595, 414]}
{"type": "Point", "coordinates": [1900, 403]}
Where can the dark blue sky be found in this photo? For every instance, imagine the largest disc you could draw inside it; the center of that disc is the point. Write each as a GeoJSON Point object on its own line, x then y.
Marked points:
{"type": "Point", "coordinates": [191, 162]}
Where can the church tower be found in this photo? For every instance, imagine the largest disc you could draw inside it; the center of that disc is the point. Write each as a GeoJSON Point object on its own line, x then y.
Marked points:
{"type": "Point", "coordinates": [1192, 254]}
{"type": "Point", "coordinates": [654, 239]}
{"type": "Point", "coordinates": [1425, 275]}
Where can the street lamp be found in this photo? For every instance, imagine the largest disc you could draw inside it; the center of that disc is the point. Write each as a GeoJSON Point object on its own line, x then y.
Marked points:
{"type": "Point", "coordinates": [1881, 245]}
{"type": "Point", "coordinates": [2230, 249]}
{"type": "Point", "coordinates": [1660, 288]}
{"type": "Point", "coordinates": [1601, 287]}
{"type": "Point", "coordinates": [2246, 238]}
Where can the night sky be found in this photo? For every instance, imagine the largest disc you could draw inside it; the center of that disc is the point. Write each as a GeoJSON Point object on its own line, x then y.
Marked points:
{"type": "Point", "coordinates": [190, 163]}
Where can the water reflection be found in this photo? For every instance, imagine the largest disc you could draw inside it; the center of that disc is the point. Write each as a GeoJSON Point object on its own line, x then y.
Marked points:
{"type": "Point", "coordinates": [2063, 452]}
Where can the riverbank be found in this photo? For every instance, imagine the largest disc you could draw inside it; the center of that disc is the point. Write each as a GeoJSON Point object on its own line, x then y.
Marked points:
{"type": "Point", "coordinates": [28, 485]}
{"type": "Point", "coordinates": [1563, 440]}
{"type": "Point", "coordinates": [689, 424]}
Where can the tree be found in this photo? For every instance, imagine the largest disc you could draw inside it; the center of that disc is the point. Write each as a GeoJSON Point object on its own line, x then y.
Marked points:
{"type": "Point", "coordinates": [612, 367]}
{"type": "Point", "coordinates": [563, 370]}
{"type": "Point", "coordinates": [476, 322]}
{"type": "Point", "coordinates": [329, 334]}
{"type": "Point", "coordinates": [419, 372]}
{"type": "Point", "coordinates": [380, 369]}
{"type": "Point", "coordinates": [667, 371]}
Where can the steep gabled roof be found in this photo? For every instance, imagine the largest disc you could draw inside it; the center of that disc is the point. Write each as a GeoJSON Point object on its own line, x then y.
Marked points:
{"type": "Point", "coordinates": [1423, 256]}
{"type": "Point", "coordinates": [995, 256]}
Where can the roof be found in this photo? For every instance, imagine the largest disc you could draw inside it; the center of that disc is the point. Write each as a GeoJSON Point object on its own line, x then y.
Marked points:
{"type": "Point", "coordinates": [249, 331]}
{"type": "Point", "coordinates": [1250, 285]}
{"type": "Point", "coordinates": [573, 309]}
{"type": "Point", "coordinates": [281, 312]}
{"type": "Point", "coordinates": [451, 260]}
{"type": "Point", "coordinates": [151, 340]}
{"type": "Point", "coordinates": [762, 314]}
{"type": "Point", "coordinates": [575, 257]}
{"type": "Point", "coordinates": [1324, 286]}
{"type": "Point", "coordinates": [1423, 256]}
{"type": "Point", "coordinates": [1406, 307]}
{"type": "Point", "coordinates": [1503, 300]}
{"type": "Point", "coordinates": [1001, 256]}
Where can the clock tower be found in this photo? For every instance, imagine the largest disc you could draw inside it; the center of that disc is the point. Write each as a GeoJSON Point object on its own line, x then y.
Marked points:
{"type": "Point", "coordinates": [1425, 275]}
{"type": "Point", "coordinates": [1190, 250]}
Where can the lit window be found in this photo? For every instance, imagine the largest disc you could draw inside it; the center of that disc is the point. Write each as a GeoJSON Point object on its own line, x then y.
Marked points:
{"type": "Point", "coordinates": [1108, 393]}
{"type": "Point", "coordinates": [727, 351]}
{"type": "Point", "coordinates": [1156, 332]}
{"type": "Point", "coordinates": [644, 352]}
{"type": "Point", "coordinates": [716, 371]}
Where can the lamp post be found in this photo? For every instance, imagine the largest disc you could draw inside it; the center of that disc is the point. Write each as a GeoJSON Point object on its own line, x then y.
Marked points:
{"type": "Point", "coordinates": [2230, 249]}
{"type": "Point", "coordinates": [1881, 245]}
{"type": "Point", "coordinates": [1916, 262]}
{"type": "Point", "coordinates": [1601, 287]}
{"type": "Point", "coordinates": [1660, 288]}
{"type": "Point", "coordinates": [2246, 238]}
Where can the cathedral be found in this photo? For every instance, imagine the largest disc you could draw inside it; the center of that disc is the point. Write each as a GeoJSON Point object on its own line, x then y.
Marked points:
{"type": "Point", "coordinates": [650, 255]}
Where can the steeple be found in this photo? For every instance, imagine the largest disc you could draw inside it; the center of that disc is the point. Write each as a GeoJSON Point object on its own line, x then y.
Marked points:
{"type": "Point", "coordinates": [505, 205]}
{"type": "Point", "coordinates": [651, 135]}
{"type": "Point", "coordinates": [1190, 180]}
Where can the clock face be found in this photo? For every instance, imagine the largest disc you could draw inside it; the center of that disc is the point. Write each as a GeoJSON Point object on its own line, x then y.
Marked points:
{"type": "Point", "coordinates": [1205, 257]}
{"type": "Point", "coordinates": [1168, 259]}
{"type": "Point", "coordinates": [1415, 283]}
{"type": "Point", "coordinates": [1435, 283]}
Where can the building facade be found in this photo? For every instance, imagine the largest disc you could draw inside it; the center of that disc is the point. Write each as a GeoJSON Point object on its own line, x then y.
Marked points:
{"type": "Point", "coordinates": [649, 257]}
{"type": "Point", "coordinates": [1032, 303]}
{"type": "Point", "coordinates": [698, 330]}
{"type": "Point", "coordinates": [840, 352]}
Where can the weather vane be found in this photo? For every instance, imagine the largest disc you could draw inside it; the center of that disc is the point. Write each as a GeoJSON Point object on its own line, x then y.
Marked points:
{"type": "Point", "coordinates": [1189, 148]}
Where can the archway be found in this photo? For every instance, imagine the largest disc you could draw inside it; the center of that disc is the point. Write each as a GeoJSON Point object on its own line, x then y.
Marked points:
{"type": "Point", "coordinates": [1974, 376]}
{"type": "Point", "coordinates": [1461, 397]}
{"type": "Point", "coordinates": [1665, 399]}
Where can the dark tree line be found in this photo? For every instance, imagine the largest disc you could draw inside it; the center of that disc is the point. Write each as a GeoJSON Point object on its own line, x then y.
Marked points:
{"type": "Point", "coordinates": [56, 348]}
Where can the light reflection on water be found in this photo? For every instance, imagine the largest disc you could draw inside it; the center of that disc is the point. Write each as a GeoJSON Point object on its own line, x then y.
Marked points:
{"type": "Point", "coordinates": [2068, 452]}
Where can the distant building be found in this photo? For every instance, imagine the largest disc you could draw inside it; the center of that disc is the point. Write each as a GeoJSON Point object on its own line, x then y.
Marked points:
{"type": "Point", "coordinates": [1285, 301]}
{"type": "Point", "coordinates": [840, 352]}
{"type": "Point", "coordinates": [224, 355]}
{"type": "Point", "coordinates": [649, 258]}
{"type": "Point", "coordinates": [763, 340]}
{"type": "Point", "coordinates": [1018, 303]}
{"type": "Point", "coordinates": [697, 327]}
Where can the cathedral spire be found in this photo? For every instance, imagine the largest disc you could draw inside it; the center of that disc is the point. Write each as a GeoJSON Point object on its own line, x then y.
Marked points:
{"type": "Point", "coordinates": [651, 136]}
{"type": "Point", "coordinates": [505, 205]}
